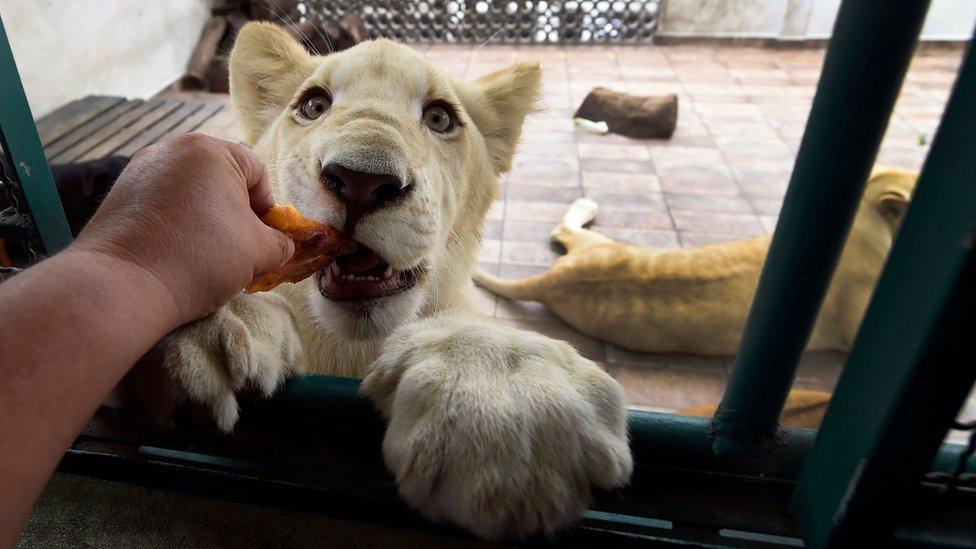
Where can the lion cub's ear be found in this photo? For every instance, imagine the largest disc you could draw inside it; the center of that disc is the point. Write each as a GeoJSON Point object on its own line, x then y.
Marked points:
{"type": "Point", "coordinates": [498, 103]}
{"type": "Point", "coordinates": [267, 66]}
{"type": "Point", "coordinates": [892, 207]}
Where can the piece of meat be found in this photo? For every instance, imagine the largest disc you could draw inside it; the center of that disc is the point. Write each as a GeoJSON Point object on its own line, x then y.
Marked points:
{"type": "Point", "coordinates": [316, 246]}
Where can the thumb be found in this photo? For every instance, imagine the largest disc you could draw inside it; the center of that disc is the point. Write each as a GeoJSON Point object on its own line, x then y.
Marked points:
{"type": "Point", "coordinates": [276, 250]}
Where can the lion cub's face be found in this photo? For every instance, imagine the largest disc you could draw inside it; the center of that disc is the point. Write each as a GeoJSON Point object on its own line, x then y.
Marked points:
{"type": "Point", "coordinates": [381, 145]}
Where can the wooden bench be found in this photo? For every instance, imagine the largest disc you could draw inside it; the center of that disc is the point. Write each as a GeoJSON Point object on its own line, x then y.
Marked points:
{"type": "Point", "coordinates": [98, 126]}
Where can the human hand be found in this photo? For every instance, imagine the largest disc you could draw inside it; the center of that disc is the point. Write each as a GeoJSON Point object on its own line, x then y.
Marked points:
{"type": "Point", "coordinates": [186, 213]}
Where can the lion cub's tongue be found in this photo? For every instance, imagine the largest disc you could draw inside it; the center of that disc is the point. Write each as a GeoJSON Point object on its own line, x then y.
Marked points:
{"type": "Point", "coordinates": [363, 259]}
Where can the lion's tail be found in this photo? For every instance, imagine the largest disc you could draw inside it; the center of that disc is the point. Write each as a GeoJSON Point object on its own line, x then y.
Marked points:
{"type": "Point", "coordinates": [526, 288]}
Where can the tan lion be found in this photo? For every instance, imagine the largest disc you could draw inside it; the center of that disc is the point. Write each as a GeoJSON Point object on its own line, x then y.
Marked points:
{"type": "Point", "coordinates": [501, 431]}
{"type": "Point", "coordinates": [696, 300]}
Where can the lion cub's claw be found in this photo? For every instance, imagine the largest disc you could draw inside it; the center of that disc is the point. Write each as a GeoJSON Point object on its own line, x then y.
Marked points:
{"type": "Point", "coordinates": [500, 431]}
{"type": "Point", "coordinates": [249, 343]}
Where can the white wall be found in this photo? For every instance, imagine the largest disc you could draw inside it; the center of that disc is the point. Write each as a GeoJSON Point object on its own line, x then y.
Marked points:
{"type": "Point", "coordinates": [794, 19]}
{"type": "Point", "coordinates": [67, 49]}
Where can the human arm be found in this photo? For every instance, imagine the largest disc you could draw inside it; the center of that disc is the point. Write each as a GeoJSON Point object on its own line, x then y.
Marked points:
{"type": "Point", "coordinates": [176, 238]}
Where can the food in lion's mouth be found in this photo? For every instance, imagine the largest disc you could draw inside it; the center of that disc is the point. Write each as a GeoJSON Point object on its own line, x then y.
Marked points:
{"type": "Point", "coordinates": [363, 275]}
{"type": "Point", "coordinates": [316, 246]}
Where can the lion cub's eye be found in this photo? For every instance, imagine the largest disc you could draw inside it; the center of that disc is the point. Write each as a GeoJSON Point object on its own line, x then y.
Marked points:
{"type": "Point", "coordinates": [314, 106]}
{"type": "Point", "coordinates": [438, 119]}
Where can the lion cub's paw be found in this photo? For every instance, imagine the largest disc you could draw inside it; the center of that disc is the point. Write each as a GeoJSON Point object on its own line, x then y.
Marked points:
{"type": "Point", "coordinates": [250, 344]}
{"type": "Point", "coordinates": [498, 430]}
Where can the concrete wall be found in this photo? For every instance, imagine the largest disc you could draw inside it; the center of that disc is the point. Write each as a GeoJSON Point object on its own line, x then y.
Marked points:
{"type": "Point", "coordinates": [67, 49]}
{"type": "Point", "coordinates": [794, 19]}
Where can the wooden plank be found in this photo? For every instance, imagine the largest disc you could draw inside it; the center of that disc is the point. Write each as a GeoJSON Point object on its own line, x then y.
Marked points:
{"type": "Point", "coordinates": [59, 123]}
{"type": "Point", "coordinates": [158, 130]}
{"type": "Point", "coordinates": [120, 138]}
{"type": "Point", "coordinates": [191, 123]}
{"type": "Point", "coordinates": [217, 123]}
{"type": "Point", "coordinates": [84, 130]}
{"type": "Point", "coordinates": [106, 133]}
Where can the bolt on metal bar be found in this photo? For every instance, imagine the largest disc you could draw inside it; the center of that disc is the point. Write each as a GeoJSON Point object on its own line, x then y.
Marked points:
{"type": "Point", "coordinates": [865, 64]}
{"type": "Point", "coordinates": [913, 361]}
{"type": "Point", "coordinates": [21, 144]}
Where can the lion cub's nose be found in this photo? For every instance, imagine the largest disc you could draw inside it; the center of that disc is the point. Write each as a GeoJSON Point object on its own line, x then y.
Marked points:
{"type": "Point", "coordinates": [361, 192]}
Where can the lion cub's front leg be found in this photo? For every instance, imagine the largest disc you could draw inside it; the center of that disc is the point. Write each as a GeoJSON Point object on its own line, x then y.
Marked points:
{"type": "Point", "coordinates": [250, 343]}
{"type": "Point", "coordinates": [498, 430]}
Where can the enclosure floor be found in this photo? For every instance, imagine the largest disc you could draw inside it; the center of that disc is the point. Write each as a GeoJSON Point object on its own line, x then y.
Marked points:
{"type": "Point", "coordinates": [742, 112]}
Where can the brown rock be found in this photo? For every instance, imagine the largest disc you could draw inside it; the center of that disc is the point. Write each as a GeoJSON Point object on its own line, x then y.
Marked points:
{"type": "Point", "coordinates": [631, 115]}
{"type": "Point", "coordinates": [218, 74]}
{"type": "Point", "coordinates": [210, 38]}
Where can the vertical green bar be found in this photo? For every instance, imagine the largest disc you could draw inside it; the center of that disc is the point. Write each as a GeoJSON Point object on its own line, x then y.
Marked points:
{"type": "Point", "coordinates": [19, 138]}
{"type": "Point", "coordinates": [868, 56]}
{"type": "Point", "coordinates": [914, 360]}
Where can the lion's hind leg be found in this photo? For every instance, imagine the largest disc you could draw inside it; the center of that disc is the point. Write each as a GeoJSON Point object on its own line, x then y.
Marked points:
{"type": "Point", "coordinates": [570, 232]}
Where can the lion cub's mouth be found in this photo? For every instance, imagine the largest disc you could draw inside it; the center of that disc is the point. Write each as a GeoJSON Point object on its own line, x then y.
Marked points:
{"type": "Point", "coordinates": [361, 275]}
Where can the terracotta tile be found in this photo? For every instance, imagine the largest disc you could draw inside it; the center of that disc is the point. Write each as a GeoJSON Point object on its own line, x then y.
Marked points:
{"type": "Point", "coordinates": [531, 193]}
{"type": "Point", "coordinates": [647, 88]}
{"type": "Point", "coordinates": [530, 148]}
{"type": "Point", "coordinates": [490, 250]}
{"type": "Point", "coordinates": [617, 166]}
{"type": "Point", "coordinates": [698, 180]}
{"type": "Point", "coordinates": [492, 267]}
{"type": "Point", "coordinates": [714, 222]}
{"type": "Point", "coordinates": [528, 253]}
{"type": "Point", "coordinates": [523, 310]}
{"type": "Point", "coordinates": [707, 203]}
{"type": "Point", "coordinates": [535, 211]}
{"type": "Point", "coordinates": [647, 217]}
{"type": "Point", "coordinates": [492, 229]}
{"type": "Point", "coordinates": [670, 387]}
{"type": "Point", "coordinates": [768, 222]}
{"type": "Point", "coordinates": [516, 230]}
{"type": "Point", "coordinates": [540, 176]}
{"type": "Point", "coordinates": [613, 152]}
{"type": "Point", "coordinates": [616, 182]}
{"type": "Point", "coordinates": [766, 206]}
{"type": "Point", "coordinates": [761, 188]}
{"type": "Point", "coordinates": [548, 137]}
{"type": "Point", "coordinates": [520, 271]}
{"type": "Point", "coordinates": [585, 345]}
{"type": "Point", "coordinates": [668, 155]}
{"type": "Point", "coordinates": [630, 201]}
{"type": "Point", "coordinates": [640, 237]}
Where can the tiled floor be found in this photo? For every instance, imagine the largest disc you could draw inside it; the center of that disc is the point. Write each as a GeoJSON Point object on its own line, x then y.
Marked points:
{"type": "Point", "coordinates": [721, 176]}
{"type": "Point", "coordinates": [742, 112]}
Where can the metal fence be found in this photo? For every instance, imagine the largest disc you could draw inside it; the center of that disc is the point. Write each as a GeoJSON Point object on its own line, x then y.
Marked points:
{"type": "Point", "coordinates": [499, 21]}
{"type": "Point", "coordinates": [860, 481]}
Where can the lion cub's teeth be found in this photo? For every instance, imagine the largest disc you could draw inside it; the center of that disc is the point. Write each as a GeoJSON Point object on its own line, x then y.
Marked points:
{"type": "Point", "coordinates": [388, 272]}
{"type": "Point", "coordinates": [335, 271]}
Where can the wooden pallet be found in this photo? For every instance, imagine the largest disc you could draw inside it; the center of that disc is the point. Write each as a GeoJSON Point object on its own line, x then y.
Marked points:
{"type": "Point", "coordinates": [98, 126]}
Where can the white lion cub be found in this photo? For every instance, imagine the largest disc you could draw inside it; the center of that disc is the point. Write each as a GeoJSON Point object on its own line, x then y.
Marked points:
{"type": "Point", "coordinates": [501, 431]}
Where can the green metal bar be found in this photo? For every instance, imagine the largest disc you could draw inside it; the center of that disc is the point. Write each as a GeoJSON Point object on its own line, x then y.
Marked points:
{"type": "Point", "coordinates": [913, 362]}
{"type": "Point", "coordinates": [319, 440]}
{"type": "Point", "coordinates": [866, 61]}
{"type": "Point", "coordinates": [18, 135]}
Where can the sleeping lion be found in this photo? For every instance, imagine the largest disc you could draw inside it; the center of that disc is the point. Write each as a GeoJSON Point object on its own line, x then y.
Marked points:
{"type": "Point", "coordinates": [696, 300]}
{"type": "Point", "coordinates": [498, 430]}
